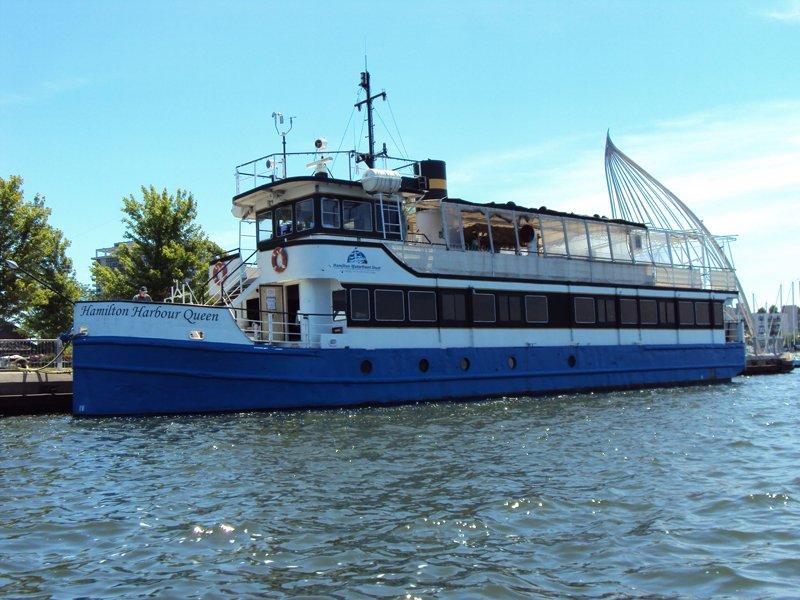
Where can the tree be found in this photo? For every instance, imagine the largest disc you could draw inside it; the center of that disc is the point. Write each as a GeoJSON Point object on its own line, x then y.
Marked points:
{"type": "Point", "coordinates": [39, 249]}
{"type": "Point", "coordinates": [165, 245]}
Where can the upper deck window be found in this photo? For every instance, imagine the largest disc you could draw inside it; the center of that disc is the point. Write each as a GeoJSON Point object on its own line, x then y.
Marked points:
{"type": "Point", "coordinates": [283, 220]}
{"type": "Point", "coordinates": [330, 213]}
{"type": "Point", "coordinates": [357, 216]}
{"type": "Point", "coordinates": [264, 230]}
{"type": "Point", "coordinates": [304, 214]}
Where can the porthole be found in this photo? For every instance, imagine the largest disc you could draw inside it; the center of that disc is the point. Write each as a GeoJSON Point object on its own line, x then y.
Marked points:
{"type": "Point", "coordinates": [424, 365]}
{"type": "Point", "coordinates": [464, 364]}
{"type": "Point", "coordinates": [512, 362]}
{"type": "Point", "coordinates": [366, 367]}
{"type": "Point", "coordinates": [571, 361]}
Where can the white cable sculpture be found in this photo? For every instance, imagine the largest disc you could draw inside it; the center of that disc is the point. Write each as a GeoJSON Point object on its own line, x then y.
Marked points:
{"type": "Point", "coordinates": [637, 196]}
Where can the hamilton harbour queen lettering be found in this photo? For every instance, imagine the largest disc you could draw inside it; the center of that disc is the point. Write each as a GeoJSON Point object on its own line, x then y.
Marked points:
{"type": "Point", "coordinates": [145, 312]}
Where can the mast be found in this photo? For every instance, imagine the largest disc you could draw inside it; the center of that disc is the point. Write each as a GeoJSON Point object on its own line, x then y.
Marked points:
{"type": "Point", "coordinates": [369, 157]}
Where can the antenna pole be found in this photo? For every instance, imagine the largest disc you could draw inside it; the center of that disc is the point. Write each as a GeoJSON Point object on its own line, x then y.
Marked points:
{"type": "Point", "coordinates": [369, 157]}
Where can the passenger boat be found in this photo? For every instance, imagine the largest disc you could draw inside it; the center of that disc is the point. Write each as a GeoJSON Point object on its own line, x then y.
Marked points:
{"type": "Point", "coordinates": [379, 288]}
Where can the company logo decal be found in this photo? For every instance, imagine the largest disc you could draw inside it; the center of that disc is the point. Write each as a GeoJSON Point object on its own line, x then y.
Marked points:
{"type": "Point", "coordinates": [356, 262]}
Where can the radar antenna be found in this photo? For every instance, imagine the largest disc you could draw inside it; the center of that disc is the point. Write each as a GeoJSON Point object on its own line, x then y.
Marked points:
{"type": "Point", "coordinates": [278, 118]}
{"type": "Point", "coordinates": [637, 196]}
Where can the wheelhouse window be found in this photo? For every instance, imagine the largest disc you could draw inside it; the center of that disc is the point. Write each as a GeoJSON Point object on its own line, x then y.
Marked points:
{"type": "Point", "coordinates": [483, 308]}
{"type": "Point", "coordinates": [330, 213]}
{"type": "Point", "coordinates": [509, 308]}
{"type": "Point", "coordinates": [584, 310]}
{"type": "Point", "coordinates": [628, 314]}
{"type": "Point", "coordinates": [648, 310]}
{"type": "Point", "coordinates": [389, 305]}
{"type": "Point", "coordinates": [454, 306]}
{"type": "Point", "coordinates": [304, 214]}
{"type": "Point", "coordinates": [422, 306]}
{"type": "Point", "coordinates": [283, 220]}
{"type": "Point", "coordinates": [357, 216]}
{"type": "Point", "coordinates": [264, 230]}
{"type": "Point", "coordinates": [686, 312]}
{"type": "Point", "coordinates": [536, 310]}
{"type": "Point", "coordinates": [701, 313]}
{"type": "Point", "coordinates": [359, 304]}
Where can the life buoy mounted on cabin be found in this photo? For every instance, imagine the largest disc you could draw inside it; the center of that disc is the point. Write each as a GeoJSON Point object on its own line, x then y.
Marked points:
{"type": "Point", "coordinates": [280, 260]}
{"type": "Point", "coordinates": [220, 271]}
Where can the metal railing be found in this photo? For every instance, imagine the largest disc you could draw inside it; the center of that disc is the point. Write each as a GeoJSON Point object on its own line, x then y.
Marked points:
{"type": "Point", "coordinates": [32, 353]}
{"type": "Point", "coordinates": [301, 330]}
{"type": "Point", "coordinates": [273, 167]}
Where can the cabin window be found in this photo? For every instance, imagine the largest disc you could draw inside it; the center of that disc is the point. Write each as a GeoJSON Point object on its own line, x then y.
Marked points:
{"type": "Point", "coordinates": [576, 238]}
{"type": "Point", "coordinates": [283, 220]}
{"type": "Point", "coordinates": [686, 313]}
{"type": "Point", "coordinates": [357, 216]}
{"type": "Point", "coordinates": [606, 311]}
{"type": "Point", "coordinates": [536, 309]}
{"type": "Point", "coordinates": [476, 230]}
{"type": "Point", "coordinates": [701, 313]}
{"type": "Point", "coordinates": [509, 308]}
{"type": "Point", "coordinates": [627, 311]}
{"type": "Point", "coordinates": [503, 237]}
{"type": "Point", "coordinates": [330, 213]}
{"type": "Point", "coordinates": [584, 310]}
{"type": "Point", "coordinates": [422, 306]}
{"type": "Point", "coordinates": [264, 226]}
{"type": "Point", "coordinates": [666, 312]}
{"type": "Point", "coordinates": [553, 236]}
{"type": "Point", "coordinates": [483, 308]}
{"type": "Point", "coordinates": [719, 316]}
{"type": "Point", "coordinates": [598, 240]}
{"type": "Point", "coordinates": [648, 310]}
{"type": "Point", "coordinates": [454, 306]}
{"type": "Point", "coordinates": [304, 214]}
{"type": "Point", "coordinates": [338, 302]}
{"type": "Point", "coordinates": [389, 305]}
{"type": "Point", "coordinates": [359, 304]}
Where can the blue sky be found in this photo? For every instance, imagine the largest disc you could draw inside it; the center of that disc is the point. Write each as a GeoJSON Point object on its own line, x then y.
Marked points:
{"type": "Point", "coordinates": [99, 98]}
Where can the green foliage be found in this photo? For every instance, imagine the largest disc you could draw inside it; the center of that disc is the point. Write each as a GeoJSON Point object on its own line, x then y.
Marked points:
{"type": "Point", "coordinates": [165, 245]}
{"type": "Point", "coordinates": [38, 248]}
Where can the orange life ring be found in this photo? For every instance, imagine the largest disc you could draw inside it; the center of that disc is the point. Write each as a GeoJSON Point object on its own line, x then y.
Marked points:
{"type": "Point", "coordinates": [280, 260]}
{"type": "Point", "coordinates": [219, 268]}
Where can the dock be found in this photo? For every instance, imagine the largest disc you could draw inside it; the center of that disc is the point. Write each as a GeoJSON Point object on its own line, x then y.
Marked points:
{"type": "Point", "coordinates": [768, 364]}
{"type": "Point", "coordinates": [35, 392]}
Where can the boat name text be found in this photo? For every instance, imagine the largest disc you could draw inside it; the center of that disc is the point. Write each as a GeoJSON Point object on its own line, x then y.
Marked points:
{"type": "Point", "coordinates": [190, 315]}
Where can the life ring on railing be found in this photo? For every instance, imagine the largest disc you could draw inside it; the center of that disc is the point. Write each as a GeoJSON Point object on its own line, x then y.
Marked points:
{"type": "Point", "coordinates": [280, 260]}
{"type": "Point", "coordinates": [220, 271]}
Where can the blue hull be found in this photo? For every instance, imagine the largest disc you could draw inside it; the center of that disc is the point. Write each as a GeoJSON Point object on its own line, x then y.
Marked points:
{"type": "Point", "coordinates": [132, 376]}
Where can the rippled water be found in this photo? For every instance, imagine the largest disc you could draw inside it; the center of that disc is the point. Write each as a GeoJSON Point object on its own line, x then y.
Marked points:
{"type": "Point", "coordinates": [683, 492]}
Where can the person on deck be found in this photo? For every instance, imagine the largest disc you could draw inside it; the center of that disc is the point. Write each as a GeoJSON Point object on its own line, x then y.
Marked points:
{"type": "Point", "coordinates": [142, 296]}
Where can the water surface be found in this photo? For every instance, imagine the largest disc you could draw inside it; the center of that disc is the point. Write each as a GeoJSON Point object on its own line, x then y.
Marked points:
{"type": "Point", "coordinates": [681, 492]}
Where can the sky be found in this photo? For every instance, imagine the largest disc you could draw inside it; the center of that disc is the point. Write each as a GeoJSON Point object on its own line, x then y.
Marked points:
{"type": "Point", "coordinates": [100, 98]}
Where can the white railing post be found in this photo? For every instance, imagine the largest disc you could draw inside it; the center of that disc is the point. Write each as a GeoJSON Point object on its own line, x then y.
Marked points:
{"type": "Point", "coordinates": [60, 358]}
{"type": "Point", "coordinates": [269, 327]}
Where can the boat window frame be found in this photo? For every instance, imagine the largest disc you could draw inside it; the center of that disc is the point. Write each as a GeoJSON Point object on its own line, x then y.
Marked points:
{"type": "Point", "coordinates": [402, 304]}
